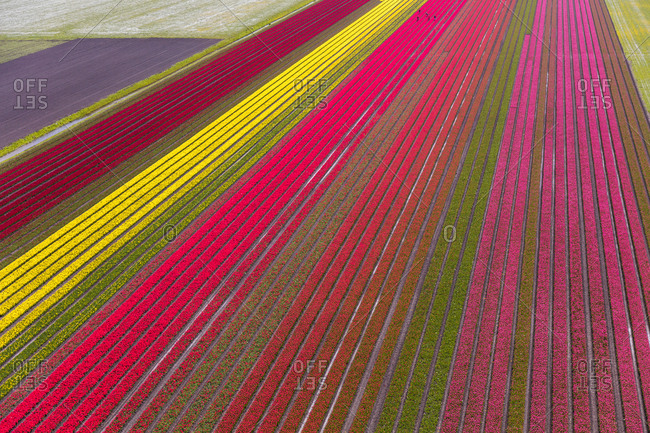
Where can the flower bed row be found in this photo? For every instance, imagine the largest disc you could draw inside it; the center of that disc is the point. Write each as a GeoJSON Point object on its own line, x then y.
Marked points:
{"type": "Point", "coordinates": [311, 128]}
{"type": "Point", "coordinates": [152, 238]}
{"type": "Point", "coordinates": [630, 114]}
{"type": "Point", "coordinates": [41, 260]}
{"type": "Point", "coordinates": [152, 296]}
{"type": "Point", "coordinates": [115, 272]}
{"type": "Point", "coordinates": [184, 168]}
{"type": "Point", "coordinates": [133, 284]}
{"type": "Point", "coordinates": [232, 366]}
{"type": "Point", "coordinates": [398, 277]}
{"type": "Point", "coordinates": [438, 310]}
{"type": "Point", "coordinates": [487, 292]}
{"type": "Point", "coordinates": [43, 291]}
{"type": "Point", "coordinates": [157, 114]}
{"type": "Point", "coordinates": [403, 278]}
{"type": "Point", "coordinates": [600, 205]}
{"type": "Point", "coordinates": [626, 268]}
{"type": "Point", "coordinates": [346, 229]}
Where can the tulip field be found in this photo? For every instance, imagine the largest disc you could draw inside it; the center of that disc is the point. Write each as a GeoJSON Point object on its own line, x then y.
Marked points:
{"type": "Point", "coordinates": [396, 215]}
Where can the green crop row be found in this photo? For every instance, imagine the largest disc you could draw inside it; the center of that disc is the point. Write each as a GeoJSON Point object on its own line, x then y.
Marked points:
{"type": "Point", "coordinates": [452, 262]}
{"type": "Point", "coordinates": [401, 375]}
{"type": "Point", "coordinates": [632, 19]}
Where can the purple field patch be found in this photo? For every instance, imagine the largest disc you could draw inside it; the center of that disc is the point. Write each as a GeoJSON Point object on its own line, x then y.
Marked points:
{"type": "Point", "coordinates": [40, 88]}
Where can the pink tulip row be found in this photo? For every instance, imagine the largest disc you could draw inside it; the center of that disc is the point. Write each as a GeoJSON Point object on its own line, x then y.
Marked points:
{"type": "Point", "coordinates": [486, 333]}
{"type": "Point", "coordinates": [564, 223]}
{"type": "Point", "coordinates": [553, 174]}
{"type": "Point", "coordinates": [503, 190]}
{"type": "Point", "coordinates": [625, 255]}
{"type": "Point", "coordinates": [600, 161]}
{"type": "Point", "coordinates": [343, 256]}
{"type": "Point", "coordinates": [438, 117]}
{"type": "Point", "coordinates": [33, 187]}
{"type": "Point", "coordinates": [543, 289]}
{"type": "Point", "coordinates": [575, 281]}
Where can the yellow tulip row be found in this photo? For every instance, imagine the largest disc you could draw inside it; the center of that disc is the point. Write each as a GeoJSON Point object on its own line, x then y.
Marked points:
{"type": "Point", "coordinates": [69, 255]}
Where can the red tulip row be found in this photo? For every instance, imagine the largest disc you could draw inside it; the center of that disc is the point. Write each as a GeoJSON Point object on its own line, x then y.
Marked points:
{"type": "Point", "coordinates": [213, 333]}
{"type": "Point", "coordinates": [247, 283]}
{"type": "Point", "coordinates": [371, 66]}
{"type": "Point", "coordinates": [283, 226]}
{"type": "Point", "coordinates": [240, 225]}
{"type": "Point", "coordinates": [123, 294]}
{"type": "Point", "coordinates": [435, 117]}
{"type": "Point", "coordinates": [217, 325]}
{"type": "Point", "coordinates": [177, 406]}
{"type": "Point", "coordinates": [37, 185]}
{"type": "Point", "coordinates": [349, 110]}
{"type": "Point", "coordinates": [282, 160]}
{"type": "Point", "coordinates": [332, 295]}
{"type": "Point", "coordinates": [396, 275]}
{"type": "Point", "coordinates": [570, 248]}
